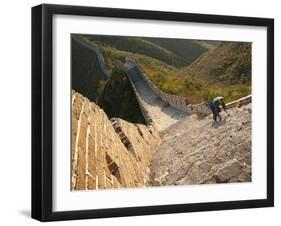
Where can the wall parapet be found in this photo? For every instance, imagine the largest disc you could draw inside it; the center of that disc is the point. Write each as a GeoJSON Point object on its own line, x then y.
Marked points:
{"type": "Point", "coordinates": [242, 101]}
{"type": "Point", "coordinates": [144, 111]}
{"type": "Point", "coordinates": [179, 102]}
{"type": "Point", "coordinates": [108, 153]}
{"type": "Point", "coordinates": [175, 101]}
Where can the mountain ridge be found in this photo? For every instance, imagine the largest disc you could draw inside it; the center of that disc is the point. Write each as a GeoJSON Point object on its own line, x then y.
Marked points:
{"type": "Point", "coordinates": [229, 63]}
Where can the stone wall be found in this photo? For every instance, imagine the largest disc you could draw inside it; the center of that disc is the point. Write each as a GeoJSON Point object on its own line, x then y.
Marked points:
{"type": "Point", "coordinates": [108, 154]}
{"type": "Point", "coordinates": [156, 111]}
{"type": "Point", "coordinates": [144, 111]}
{"type": "Point", "coordinates": [96, 49]}
{"type": "Point", "coordinates": [175, 101]}
{"type": "Point", "coordinates": [242, 101]}
{"type": "Point", "coordinates": [178, 102]}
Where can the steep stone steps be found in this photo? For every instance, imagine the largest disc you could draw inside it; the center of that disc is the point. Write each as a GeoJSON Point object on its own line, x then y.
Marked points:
{"type": "Point", "coordinates": [201, 151]}
{"type": "Point", "coordinates": [162, 114]}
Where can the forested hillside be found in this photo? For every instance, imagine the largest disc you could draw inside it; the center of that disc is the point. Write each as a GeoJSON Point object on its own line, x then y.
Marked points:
{"type": "Point", "coordinates": [175, 52]}
{"type": "Point", "coordinates": [195, 69]}
{"type": "Point", "coordinates": [228, 63]}
{"type": "Point", "coordinates": [185, 50]}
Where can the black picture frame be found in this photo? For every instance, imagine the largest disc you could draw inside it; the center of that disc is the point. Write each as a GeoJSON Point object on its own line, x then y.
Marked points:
{"type": "Point", "coordinates": [42, 108]}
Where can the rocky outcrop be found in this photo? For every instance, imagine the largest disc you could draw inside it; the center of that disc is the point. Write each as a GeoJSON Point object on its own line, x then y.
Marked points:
{"type": "Point", "coordinates": [197, 151]}
{"type": "Point", "coordinates": [108, 154]}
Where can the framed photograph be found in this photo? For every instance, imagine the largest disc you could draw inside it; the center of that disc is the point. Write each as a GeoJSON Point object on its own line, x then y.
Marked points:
{"type": "Point", "coordinates": [145, 112]}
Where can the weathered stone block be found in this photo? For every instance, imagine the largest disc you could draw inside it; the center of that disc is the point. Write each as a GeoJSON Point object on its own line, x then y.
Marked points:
{"type": "Point", "coordinates": [228, 171]}
{"type": "Point", "coordinates": [91, 183]}
{"type": "Point", "coordinates": [101, 178]}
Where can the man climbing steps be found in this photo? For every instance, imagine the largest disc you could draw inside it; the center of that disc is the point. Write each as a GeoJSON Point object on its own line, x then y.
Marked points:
{"type": "Point", "coordinates": [215, 104]}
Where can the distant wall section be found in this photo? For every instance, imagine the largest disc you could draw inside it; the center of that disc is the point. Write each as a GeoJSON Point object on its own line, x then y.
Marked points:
{"type": "Point", "coordinates": [178, 102]}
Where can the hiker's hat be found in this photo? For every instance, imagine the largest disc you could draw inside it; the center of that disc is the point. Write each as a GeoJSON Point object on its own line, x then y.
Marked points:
{"type": "Point", "coordinates": [220, 98]}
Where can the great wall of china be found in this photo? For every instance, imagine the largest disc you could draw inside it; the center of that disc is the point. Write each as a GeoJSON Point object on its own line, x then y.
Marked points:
{"type": "Point", "coordinates": [96, 49]}
{"type": "Point", "coordinates": [149, 96]}
{"type": "Point", "coordinates": [109, 153]}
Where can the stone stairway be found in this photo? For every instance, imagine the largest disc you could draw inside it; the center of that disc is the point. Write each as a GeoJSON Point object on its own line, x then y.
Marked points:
{"type": "Point", "coordinates": [163, 114]}
{"type": "Point", "coordinates": [195, 151]}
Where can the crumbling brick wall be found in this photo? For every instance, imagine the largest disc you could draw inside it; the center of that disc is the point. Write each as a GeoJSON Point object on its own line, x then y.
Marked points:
{"type": "Point", "coordinates": [108, 154]}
